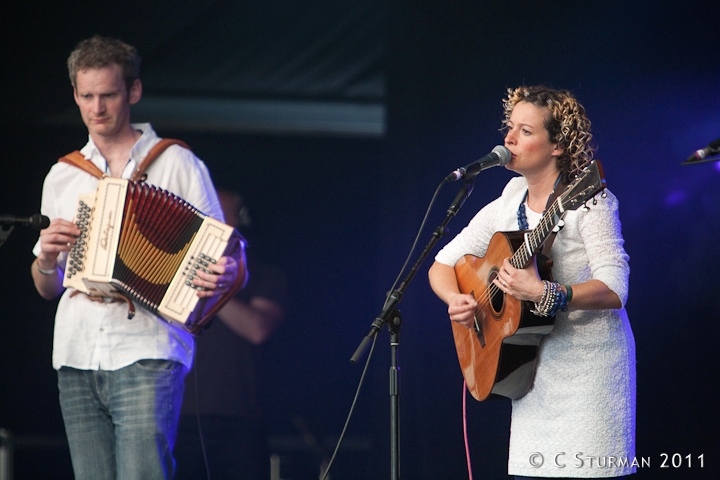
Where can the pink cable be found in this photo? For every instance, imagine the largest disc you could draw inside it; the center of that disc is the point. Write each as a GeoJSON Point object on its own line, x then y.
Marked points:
{"type": "Point", "coordinates": [467, 446]}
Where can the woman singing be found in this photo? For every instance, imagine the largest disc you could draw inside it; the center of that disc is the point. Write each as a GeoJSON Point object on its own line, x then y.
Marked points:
{"type": "Point", "coordinates": [578, 418]}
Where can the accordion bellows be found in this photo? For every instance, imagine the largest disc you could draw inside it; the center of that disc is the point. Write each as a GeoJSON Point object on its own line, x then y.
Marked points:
{"type": "Point", "coordinates": [147, 244]}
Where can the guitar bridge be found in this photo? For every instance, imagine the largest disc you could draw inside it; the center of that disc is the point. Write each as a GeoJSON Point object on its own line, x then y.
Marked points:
{"type": "Point", "coordinates": [476, 326]}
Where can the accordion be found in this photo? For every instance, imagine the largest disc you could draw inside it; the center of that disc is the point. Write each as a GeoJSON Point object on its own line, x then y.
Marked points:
{"type": "Point", "coordinates": [145, 244]}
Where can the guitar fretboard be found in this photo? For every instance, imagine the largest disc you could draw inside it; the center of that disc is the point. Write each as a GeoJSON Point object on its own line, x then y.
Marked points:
{"type": "Point", "coordinates": [534, 240]}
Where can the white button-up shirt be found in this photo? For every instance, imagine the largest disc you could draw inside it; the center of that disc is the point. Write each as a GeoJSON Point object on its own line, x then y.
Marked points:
{"type": "Point", "coordinates": [90, 335]}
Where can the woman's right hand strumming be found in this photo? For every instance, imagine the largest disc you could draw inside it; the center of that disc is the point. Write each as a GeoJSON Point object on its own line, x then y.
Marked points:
{"type": "Point", "coordinates": [461, 307]}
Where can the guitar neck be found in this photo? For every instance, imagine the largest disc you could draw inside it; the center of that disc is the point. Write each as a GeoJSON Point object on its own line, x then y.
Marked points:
{"type": "Point", "coordinates": [581, 189]}
{"type": "Point", "coordinates": [536, 238]}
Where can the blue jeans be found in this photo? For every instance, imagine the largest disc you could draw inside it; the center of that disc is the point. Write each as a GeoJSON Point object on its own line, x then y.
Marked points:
{"type": "Point", "coordinates": [121, 425]}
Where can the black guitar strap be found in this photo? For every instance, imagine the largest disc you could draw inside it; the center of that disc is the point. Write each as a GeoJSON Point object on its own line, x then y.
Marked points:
{"type": "Point", "coordinates": [560, 187]}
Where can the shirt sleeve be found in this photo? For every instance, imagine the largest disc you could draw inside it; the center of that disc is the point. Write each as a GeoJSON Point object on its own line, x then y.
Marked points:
{"type": "Point", "coordinates": [494, 217]}
{"type": "Point", "coordinates": [473, 239]}
{"type": "Point", "coordinates": [600, 229]}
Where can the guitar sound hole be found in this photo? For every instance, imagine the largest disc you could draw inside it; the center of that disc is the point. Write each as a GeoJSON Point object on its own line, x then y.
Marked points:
{"type": "Point", "coordinates": [497, 300]}
{"type": "Point", "coordinates": [497, 297]}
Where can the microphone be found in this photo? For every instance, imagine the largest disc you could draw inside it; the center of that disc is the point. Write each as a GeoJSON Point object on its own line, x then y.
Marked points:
{"type": "Point", "coordinates": [37, 221]}
{"type": "Point", "coordinates": [711, 149]}
{"type": "Point", "coordinates": [499, 156]}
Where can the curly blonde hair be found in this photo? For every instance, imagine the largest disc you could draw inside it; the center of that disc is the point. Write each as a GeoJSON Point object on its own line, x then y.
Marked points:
{"type": "Point", "coordinates": [567, 124]}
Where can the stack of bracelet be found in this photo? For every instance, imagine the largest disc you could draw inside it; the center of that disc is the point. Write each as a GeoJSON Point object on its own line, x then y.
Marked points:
{"type": "Point", "coordinates": [553, 300]}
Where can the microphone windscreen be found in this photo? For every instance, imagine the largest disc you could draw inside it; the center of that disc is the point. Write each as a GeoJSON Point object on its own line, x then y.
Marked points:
{"type": "Point", "coordinates": [39, 222]}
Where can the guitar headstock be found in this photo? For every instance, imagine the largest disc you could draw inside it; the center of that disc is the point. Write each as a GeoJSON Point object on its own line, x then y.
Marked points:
{"type": "Point", "coordinates": [589, 183]}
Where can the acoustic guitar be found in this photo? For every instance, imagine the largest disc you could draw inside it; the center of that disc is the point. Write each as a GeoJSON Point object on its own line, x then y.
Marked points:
{"type": "Point", "coordinates": [498, 353]}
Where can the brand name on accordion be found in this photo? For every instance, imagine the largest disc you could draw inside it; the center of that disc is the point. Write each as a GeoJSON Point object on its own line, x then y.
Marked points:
{"type": "Point", "coordinates": [107, 232]}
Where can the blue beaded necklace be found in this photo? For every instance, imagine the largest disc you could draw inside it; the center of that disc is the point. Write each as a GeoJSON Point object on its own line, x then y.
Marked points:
{"type": "Point", "coordinates": [522, 216]}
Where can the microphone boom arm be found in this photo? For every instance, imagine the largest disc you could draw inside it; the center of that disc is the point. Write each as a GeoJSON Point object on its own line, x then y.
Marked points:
{"type": "Point", "coordinates": [390, 307]}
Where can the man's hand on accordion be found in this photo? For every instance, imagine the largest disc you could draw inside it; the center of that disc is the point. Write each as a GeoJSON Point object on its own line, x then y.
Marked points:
{"type": "Point", "coordinates": [58, 237]}
{"type": "Point", "coordinates": [225, 273]}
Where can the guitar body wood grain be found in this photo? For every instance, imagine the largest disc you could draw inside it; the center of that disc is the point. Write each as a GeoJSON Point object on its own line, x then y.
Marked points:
{"type": "Point", "coordinates": [499, 354]}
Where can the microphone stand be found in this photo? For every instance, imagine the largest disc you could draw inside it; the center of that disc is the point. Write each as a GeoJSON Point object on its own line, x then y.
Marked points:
{"type": "Point", "coordinates": [4, 234]}
{"type": "Point", "coordinates": [36, 221]}
{"type": "Point", "coordinates": [712, 158]}
{"type": "Point", "coordinates": [390, 315]}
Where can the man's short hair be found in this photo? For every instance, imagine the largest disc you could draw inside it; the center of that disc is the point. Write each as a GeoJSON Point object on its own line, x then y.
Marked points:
{"type": "Point", "coordinates": [101, 52]}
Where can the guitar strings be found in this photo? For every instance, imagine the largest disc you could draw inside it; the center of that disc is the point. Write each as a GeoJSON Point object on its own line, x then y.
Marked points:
{"type": "Point", "coordinates": [519, 258]}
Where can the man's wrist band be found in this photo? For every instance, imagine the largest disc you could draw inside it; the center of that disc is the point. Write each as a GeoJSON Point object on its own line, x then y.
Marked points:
{"type": "Point", "coordinates": [44, 271]}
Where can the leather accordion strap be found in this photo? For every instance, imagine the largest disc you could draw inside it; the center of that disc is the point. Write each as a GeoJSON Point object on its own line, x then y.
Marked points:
{"type": "Point", "coordinates": [77, 159]}
{"type": "Point", "coordinates": [114, 297]}
{"type": "Point", "coordinates": [154, 153]}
